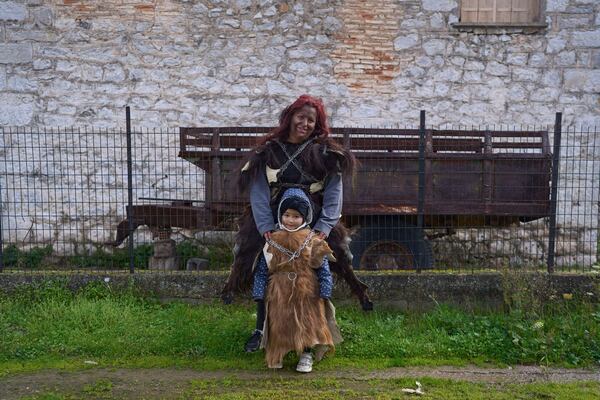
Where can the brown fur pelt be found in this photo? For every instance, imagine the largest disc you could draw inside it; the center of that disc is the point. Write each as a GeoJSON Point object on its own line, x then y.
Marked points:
{"type": "Point", "coordinates": [295, 313]}
{"type": "Point", "coordinates": [248, 245]}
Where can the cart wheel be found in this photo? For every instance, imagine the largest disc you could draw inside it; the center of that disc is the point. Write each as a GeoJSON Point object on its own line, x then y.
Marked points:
{"type": "Point", "coordinates": [400, 247]}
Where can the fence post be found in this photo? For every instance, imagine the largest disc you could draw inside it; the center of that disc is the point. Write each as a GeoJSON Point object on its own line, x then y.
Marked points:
{"type": "Point", "coordinates": [554, 192]}
{"type": "Point", "coordinates": [1, 242]}
{"type": "Point", "coordinates": [421, 195]}
{"type": "Point", "coordinates": [129, 189]}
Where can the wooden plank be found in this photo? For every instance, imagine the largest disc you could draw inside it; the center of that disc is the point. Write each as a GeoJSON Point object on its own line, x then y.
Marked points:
{"type": "Point", "coordinates": [486, 11]}
{"type": "Point", "coordinates": [503, 11]}
{"type": "Point", "coordinates": [468, 11]}
{"type": "Point", "coordinates": [521, 11]}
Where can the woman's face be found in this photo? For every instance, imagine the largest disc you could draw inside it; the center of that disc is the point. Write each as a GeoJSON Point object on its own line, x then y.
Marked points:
{"type": "Point", "coordinates": [303, 124]}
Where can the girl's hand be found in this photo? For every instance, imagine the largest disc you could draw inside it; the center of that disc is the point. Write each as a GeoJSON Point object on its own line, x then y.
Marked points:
{"type": "Point", "coordinates": [267, 235]}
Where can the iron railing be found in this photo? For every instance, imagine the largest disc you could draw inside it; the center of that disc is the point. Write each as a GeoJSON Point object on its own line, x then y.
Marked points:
{"type": "Point", "coordinates": [426, 198]}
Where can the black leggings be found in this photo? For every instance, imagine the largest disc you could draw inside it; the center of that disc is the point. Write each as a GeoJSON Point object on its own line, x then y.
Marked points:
{"type": "Point", "coordinates": [260, 314]}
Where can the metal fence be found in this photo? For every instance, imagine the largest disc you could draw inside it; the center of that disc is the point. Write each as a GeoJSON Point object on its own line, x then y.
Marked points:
{"type": "Point", "coordinates": [423, 198]}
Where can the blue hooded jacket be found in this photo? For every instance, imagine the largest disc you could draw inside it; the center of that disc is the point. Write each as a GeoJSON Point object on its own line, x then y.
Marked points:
{"type": "Point", "coordinates": [261, 271]}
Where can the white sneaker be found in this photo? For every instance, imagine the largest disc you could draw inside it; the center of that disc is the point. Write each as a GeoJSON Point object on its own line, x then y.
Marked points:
{"type": "Point", "coordinates": [305, 363]}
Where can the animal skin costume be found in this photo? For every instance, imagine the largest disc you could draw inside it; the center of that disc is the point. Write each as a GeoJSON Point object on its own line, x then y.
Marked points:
{"type": "Point", "coordinates": [317, 170]}
{"type": "Point", "coordinates": [297, 317]}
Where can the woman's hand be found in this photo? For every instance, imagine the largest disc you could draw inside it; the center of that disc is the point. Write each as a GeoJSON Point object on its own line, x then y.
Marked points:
{"type": "Point", "coordinates": [321, 235]}
{"type": "Point", "coordinates": [267, 235]}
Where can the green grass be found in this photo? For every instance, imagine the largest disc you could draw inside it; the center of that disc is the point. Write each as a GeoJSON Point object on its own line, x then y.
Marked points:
{"type": "Point", "coordinates": [47, 326]}
{"type": "Point", "coordinates": [340, 388]}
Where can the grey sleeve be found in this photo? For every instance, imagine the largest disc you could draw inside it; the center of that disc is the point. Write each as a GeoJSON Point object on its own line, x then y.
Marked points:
{"type": "Point", "coordinates": [332, 204]}
{"type": "Point", "coordinates": [260, 197]}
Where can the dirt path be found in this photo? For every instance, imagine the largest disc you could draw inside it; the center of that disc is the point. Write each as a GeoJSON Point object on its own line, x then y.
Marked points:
{"type": "Point", "coordinates": [171, 382]}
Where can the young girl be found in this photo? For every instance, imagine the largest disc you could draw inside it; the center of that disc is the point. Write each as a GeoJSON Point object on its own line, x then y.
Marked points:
{"type": "Point", "coordinates": [293, 277]}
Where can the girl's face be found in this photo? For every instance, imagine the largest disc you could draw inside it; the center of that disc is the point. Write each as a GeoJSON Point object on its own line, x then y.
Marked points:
{"type": "Point", "coordinates": [291, 219]}
{"type": "Point", "coordinates": [302, 124]}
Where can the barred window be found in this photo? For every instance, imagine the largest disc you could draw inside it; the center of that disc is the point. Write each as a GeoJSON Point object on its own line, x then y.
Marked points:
{"type": "Point", "coordinates": [500, 12]}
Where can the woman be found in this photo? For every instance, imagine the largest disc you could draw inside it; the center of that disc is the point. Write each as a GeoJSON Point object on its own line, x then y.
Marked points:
{"type": "Point", "coordinates": [298, 153]}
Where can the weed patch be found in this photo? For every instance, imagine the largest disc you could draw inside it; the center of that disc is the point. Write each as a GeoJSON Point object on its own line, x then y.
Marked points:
{"type": "Point", "coordinates": [46, 324]}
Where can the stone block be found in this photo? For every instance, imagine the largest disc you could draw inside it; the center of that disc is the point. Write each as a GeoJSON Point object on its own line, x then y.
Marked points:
{"type": "Point", "coordinates": [163, 263]}
{"type": "Point", "coordinates": [496, 69]}
{"type": "Point", "coordinates": [16, 110]}
{"type": "Point", "coordinates": [434, 46]}
{"type": "Point", "coordinates": [556, 5]}
{"type": "Point", "coordinates": [16, 53]}
{"type": "Point", "coordinates": [586, 39]}
{"type": "Point", "coordinates": [405, 42]}
{"type": "Point", "coordinates": [197, 264]}
{"type": "Point", "coordinates": [11, 11]}
{"type": "Point", "coordinates": [439, 5]}
{"type": "Point", "coordinates": [582, 80]}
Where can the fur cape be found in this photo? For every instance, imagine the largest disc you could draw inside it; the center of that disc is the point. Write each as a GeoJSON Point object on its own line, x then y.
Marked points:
{"type": "Point", "coordinates": [296, 317]}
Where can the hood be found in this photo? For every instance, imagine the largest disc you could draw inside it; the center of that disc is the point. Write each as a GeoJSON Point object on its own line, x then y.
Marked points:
{"type": "Point", "coordinates": [301, 196]}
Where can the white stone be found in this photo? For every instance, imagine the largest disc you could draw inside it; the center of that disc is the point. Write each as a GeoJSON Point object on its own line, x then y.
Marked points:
{"type": "Point", "coordinates": [472, 76]}
{"type": "Point", "coordinates": [269, 26]}
{"type": "Point", "coordinates": [556, 5]}
{"type": "Point", "coordinates": [15, 53]}
{"type": "Point", "coordinates": [299, 67]}
{"type": "Point", "coordinates": [40, 64]}
{"type": "Point", "coordinates": [565, 59]}
{"type": "Point", "coordinates": [413, 24]}
{"type": "Point", "coordinates": [2, 85]}
{"type": "Point", "coordinates": [537, 60]}
{"type": "Point", "coordinates": [582, 80]}
{"type": "Point", "coordinates": [367, 111]}
{"type": "Point", "coordinates": [332, 24]}
{"type": "Point", "coordinates": [65, 66]}
{"type": "Point", "coordinates": [241, 4]}
{"type": "Point", "coordinates": [257, 71]}
{"type": "Point", "coordinates": [208, 85]}
{"type": "Point", "coordinates": [448, 74]}
{"type": "Point", "coordinates": [43, 15]}
{"type": "Point", "coordinates": [303, 53]}
{"type": "Point", "coordinates": [474, 65]}
{"type": "Point", "coordinates": [517, 59]}
{"type": "Point", "coordinates": [11, 11]}
{"type": "Point", "coordinates": [434, 46]}
{"type": "Point", "coordinates": [16, 110]}
{"type": "Point", "coordinates": [586, 38]}
{"type": "Point", "coordinates": [240, 88]}
{"type": "Point", "coordinates": [230, 22]}
{"type": "Point", "coordinates": [276, 88]}
{"type": "Point", "coordinates": [552, 78]}
{"type": "Point", "coordinates": [437, 21]}
{"type": "Point", "coordinates": [441, 89]}
{"type": "Point", "coordinates": [496, 69]}
{"type": "Point", "coordinates": [406, 42]}
{"type": "Point", "coordinates": [523, 74]}
{"type": "Point", "coordinates": [21, 84]}
{"type": "Point", "coordinates": [545, 94]}
{"type": "Point", "coordinates": [458, 61]}
{"type": "Point", "coordinates": [439, 5]}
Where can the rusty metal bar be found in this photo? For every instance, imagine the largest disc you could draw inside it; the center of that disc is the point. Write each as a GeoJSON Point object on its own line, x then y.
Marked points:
{"type": "Point", "coordinates": [421, 194]}
{"type": "Point", "coordinates": [488, 172]}
{"type": "Point", "coordinates": [554, 191]}
{"type": "Point", "coordinates": [129, 189]}
{"type": "Point", "coordinates": [1, 242]}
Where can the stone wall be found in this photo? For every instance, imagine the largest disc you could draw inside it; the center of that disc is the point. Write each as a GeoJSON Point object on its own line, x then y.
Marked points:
{"type": "Point", "coordinates": [238, 62]}
{"type": "Point", "coordinates": [399, 291]}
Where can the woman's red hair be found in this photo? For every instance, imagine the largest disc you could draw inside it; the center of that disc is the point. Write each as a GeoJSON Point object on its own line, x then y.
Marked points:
{"type": "Point", "coordinates": [285, 118]}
